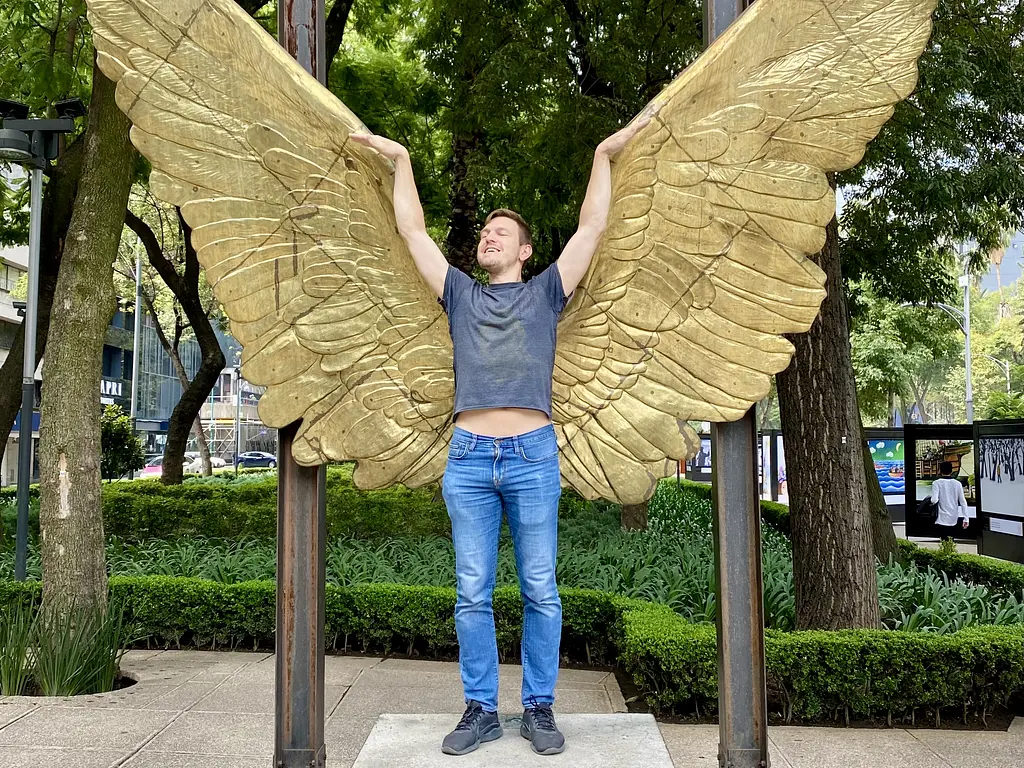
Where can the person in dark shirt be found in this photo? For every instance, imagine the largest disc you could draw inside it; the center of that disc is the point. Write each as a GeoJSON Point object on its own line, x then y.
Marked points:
{"type": "Point", "coordinates": [503, 457]}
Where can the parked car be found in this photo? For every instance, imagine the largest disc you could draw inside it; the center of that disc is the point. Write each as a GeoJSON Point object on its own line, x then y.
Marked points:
{"type": "Point", "coordinates": [257, 459]}
{"type": "Point", "coordinates": [155, 467]}
{"type": "Point", "coordinates": [194, 462]}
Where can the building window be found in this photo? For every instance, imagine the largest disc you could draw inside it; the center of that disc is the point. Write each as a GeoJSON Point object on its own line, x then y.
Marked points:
{"type": "Point", "coordinates": [9, 277]}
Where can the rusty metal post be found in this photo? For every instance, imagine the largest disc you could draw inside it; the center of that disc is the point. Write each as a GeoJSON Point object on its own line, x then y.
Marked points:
{"type": "Point", "coordinates": [301, 513]}
{"type": "Point", "coordinates": [742, 690]}
{"type": "Point", "coordinates": [301, 30]}
{"type": "Point", "coordinates": [301, 539]}
{"type": "Point", "coordinates": [742, 693]}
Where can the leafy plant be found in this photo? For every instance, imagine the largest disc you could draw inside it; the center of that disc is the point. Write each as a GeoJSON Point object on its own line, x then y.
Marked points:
{"type": "Point", "coordinates": [79, 650]}
{"type": "Point", "coordinates": [16, 634]}
{"type": "Point", "coordinates": [121, 448]}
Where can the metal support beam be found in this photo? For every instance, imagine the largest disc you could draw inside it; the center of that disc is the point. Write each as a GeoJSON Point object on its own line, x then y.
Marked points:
{"type": "Point", "coordinates": [28, 371]}
{"type": "Point", "coordinates": [742, 693]}
{"type": "Point", "coordinates": [301, 539]}
{"type": "Point", "coordinates": [301, 513]}
{"type": "Point", "coordinates": [301, 30]}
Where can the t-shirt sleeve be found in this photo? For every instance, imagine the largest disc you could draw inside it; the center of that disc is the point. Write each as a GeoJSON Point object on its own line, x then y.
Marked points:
{"type": "Point", "coordinates": [456, 283]}
{"type": "Point", "coordinates": [551, 286]}
{"type": "Point", "coordinates": [965, 511]}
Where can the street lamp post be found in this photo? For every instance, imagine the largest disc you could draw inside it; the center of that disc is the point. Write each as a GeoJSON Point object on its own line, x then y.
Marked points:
{"type": "Point", "coordinates": [136, 338]}
{"type": "Point", "coordinates": [238, 413]}
{"type": "Point", "coordinates": [965, 283]}
{"type": "Point", "coordinates": [963, 319]}
{"type": "Point", "coordinates": [1005, 365]}
{"type": "Point", "coordinates": [32, 142]}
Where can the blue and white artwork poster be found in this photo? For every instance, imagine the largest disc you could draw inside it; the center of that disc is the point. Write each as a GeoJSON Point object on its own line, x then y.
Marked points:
{"type": "Point", "coordinates": [1001, 473]}
{"type": "Point", "coordinates": [889, 467]}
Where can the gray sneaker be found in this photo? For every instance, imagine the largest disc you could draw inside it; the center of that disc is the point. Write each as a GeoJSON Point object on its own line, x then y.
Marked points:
{"type": "Point", "coordinates": [539, 727]}
{"type": "Point", "coordinates": [476, 726]}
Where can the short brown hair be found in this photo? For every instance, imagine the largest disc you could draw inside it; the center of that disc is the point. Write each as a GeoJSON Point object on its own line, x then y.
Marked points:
{"type": "Point", "coordinates": [525, 236]}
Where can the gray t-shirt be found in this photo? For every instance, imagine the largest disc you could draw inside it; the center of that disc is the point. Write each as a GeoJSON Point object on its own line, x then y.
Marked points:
{"type": "Point", "coordinates": [504, 339]}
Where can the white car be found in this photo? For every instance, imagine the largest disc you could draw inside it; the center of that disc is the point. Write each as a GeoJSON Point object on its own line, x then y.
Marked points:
{"type": "Point", "coordinates": [194, 462]}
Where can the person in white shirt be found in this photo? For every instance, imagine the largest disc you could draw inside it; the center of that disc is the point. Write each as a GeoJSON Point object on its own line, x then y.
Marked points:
{"type": "Point", "coordinates": [948, 494]}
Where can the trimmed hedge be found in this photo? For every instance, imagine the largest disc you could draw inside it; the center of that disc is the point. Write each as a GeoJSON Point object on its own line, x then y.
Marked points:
{"type": "Point", "coordinates": [772, 513]}
{"type": "Point", "coordinates": [819, 675]}
{"type": "Point", "coordinates": [998, 574]}
{"type": "Point", "coordinates": [812, 676]}
{"type": "Point", "coordinates": [184, 612]}
{"type": "Point", "coordinates": [247, 508]}
{"type": "Point", "coordinates": [146, 509]}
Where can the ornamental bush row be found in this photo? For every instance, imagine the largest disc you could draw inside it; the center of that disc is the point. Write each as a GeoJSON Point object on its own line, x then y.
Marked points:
{"type": "Point", "coordinates": [243, 507]}
{"type": "Point", "coordinates": [813, 676]}
{"type": "Point", "coordinates": [247, 507]}
{"type": "Point", "coordinates": [773, 514]}
{"type": "Point", "coordinates": [227, 507]}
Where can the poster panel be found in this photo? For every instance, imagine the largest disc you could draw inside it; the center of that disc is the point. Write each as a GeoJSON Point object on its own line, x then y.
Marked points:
{"type": "Point", "coordinates": [889, 468]}
{"type": "Point", "coordinates": [931, 454]}
{"type": "Point", "coordinates": [1002, 476]}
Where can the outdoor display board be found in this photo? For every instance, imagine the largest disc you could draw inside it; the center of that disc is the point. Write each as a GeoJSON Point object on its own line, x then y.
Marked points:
{"type": "Point", "coordinates": [987, 459]}
{"type": "Point", "coordinates": [926, 447]}
{"type": "Point", "coordinates": [1001, 488]}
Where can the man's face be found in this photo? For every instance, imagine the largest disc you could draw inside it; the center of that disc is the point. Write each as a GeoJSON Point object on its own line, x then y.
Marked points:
{"type": "Point", "coordinates": [499, 248]}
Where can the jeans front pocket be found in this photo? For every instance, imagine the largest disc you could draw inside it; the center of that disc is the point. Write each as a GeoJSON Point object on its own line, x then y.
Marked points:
{"type": "Point", "coordinates": [458, 449]}
{"type": "Point", "coordinates": [540, 450]}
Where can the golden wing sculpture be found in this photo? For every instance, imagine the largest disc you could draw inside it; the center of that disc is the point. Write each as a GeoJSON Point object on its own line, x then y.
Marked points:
{"type": "Point", "coordinates": [295, 228]}
{"type": "Point", "coordinates": [717, 205]}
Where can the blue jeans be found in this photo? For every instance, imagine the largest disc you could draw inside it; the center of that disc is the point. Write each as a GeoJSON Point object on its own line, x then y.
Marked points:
{"type": "Point", "coordinates": [520, 476]}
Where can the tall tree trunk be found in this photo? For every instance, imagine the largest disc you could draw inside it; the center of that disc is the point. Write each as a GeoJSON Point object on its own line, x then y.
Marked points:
{"type": "Point", "coordinates": [833, 562]}
{"type": "Point", "coordinates": [634, 517]}
{"type": "Point", "coordinates": [463, 221]}
{"type": "Point", "coordinates": [883, 537]}
{"type": "Point", "coordinates": [58, 200]}
{"type": "Point", "coordinates": [186, 290]}
{"type": "Point", "coordinates": [70, 518]}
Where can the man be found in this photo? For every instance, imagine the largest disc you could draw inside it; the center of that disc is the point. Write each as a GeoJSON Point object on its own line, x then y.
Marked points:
{"type": "Point", "coordinates": [948, 494]}
{"type": "Point", "coordinates": [503, 456]}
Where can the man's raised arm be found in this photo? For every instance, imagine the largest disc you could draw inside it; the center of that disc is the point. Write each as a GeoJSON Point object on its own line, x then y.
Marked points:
{"type": "Point", "coordinates": [575, 258]}
{"type": "Point", "coordinates": [430, 262]}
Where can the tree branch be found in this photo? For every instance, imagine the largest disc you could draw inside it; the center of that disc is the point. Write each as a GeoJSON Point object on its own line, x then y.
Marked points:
{"type": "Point", "coordinates": [252, 7]}
{"type": "Point", "coordinates": [586, 74]}
{"type": "Point", "coordinates": [191, 276]}
{"type": "Point", "coordinates": [336, 22]}
{"type": "Point", "coordinates": [154, 252]}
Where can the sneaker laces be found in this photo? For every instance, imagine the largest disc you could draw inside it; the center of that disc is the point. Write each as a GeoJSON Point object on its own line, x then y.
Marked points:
{"type": "Point", "coordinates": [543, 717]}
{"type": "Point", "coordinates": [469, 717]}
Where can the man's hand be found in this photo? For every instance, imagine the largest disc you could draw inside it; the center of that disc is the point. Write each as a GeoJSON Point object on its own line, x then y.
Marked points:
{"type": "Point", "coordinates": [966, 522]}
{"type": "Point", "coordinates": [390, 149]}
{"type": "Point", "coordinates": [614, 143]}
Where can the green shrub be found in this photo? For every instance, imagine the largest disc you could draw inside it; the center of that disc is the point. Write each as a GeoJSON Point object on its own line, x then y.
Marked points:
{"type": "Point", "coordinates": [1000, 575]}
{"type": "Point", "coordinates": [819, 676]}
{"type": "Point", "coordinates": [773, 514]}
{"type": "Point", "coordinates": [183, 612]}
{"type": "Point", "coordinates": [10, 492]}
{"type": "Point", "coordinates": [246, 506]}
{"type": "Point", "coordinates": [9, 520]}
{"type": "Point", "coordinates": [812, 676]}
{"type": "Point", "coordinates": [74, 652]}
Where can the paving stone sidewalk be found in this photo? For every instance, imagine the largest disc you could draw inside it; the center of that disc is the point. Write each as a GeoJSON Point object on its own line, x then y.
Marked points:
{"type": "Point", "coordinates": [203, 709]}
